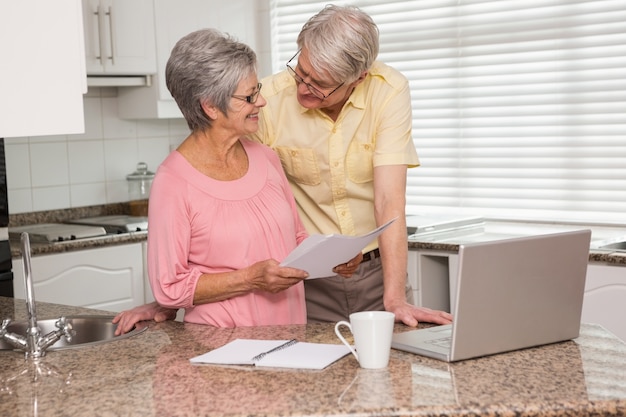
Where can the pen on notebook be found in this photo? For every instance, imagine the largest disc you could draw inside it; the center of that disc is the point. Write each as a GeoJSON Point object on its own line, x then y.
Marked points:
{"type": "Point", "coordinates": [277, 348]}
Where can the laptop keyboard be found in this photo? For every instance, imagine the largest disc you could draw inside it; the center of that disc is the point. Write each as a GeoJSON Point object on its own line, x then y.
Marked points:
{"type": "Point", "coordinates": [444, 342]}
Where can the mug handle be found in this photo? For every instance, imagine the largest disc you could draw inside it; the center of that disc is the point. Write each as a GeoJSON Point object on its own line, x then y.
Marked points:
{"type": "Point", "coordinates": [343, 340]}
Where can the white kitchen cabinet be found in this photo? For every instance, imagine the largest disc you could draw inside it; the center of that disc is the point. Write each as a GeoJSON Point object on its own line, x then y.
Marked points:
{"type": "Point", "coordinates": [119, 37]}
{"type": "Point", "coordinates": [42, 68]}
{"type": "Point", "coordinates": [147, 290]}
{"type": "Point", "coordinates": [432, 275]}
{"type": "Point", "coordinates": [605, 298]}
{"type": "Point", "coordinates": [108, 278]}
{"type": "Point", "coordinates": [175, 19]}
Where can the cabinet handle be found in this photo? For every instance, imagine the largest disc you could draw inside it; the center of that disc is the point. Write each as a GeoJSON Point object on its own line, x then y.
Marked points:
{"type": "Point", "coordinates": [111, 41]}
{"type": "Point", "coordinates": [100, 34]}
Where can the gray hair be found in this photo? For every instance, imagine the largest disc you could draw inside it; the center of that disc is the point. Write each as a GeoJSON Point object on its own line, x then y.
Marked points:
{"type": "Point", "coordinates": [206, 66]}
{"type": "Point", "coordinates": [342, 41]}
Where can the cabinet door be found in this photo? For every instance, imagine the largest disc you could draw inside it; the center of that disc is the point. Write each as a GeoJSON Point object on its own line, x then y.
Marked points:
{"type": "Point", "coordinates": [605, 298]}
{"type": "Point", "coordinates": [42, 68]}
{"type": "Point", "coordinates": [175, 21]}
{"type": "Point", "coordinates": [433, 278]}
{"type": "Point", "coordinates": [119, 37]}
{"type": "Point", "coordinates": [109, 278]}
{"type": "Point", "coordinates": [243, 19]}
{"type": "Point", "coordinates": [147, 290]}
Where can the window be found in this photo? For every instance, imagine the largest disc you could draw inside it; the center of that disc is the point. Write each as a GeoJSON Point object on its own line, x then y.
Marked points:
{"type": "Point", "coordinates": [519, 105]}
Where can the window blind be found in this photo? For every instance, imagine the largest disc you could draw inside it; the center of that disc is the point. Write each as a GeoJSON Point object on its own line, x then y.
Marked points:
{"type": "Point", "coordinates": [519, 106]}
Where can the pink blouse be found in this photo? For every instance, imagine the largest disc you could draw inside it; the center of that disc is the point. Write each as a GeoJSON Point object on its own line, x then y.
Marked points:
{"type": "Point", "coordinates": [201, 225]}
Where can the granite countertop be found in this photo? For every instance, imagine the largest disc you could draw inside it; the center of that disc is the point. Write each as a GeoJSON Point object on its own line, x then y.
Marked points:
{"type": "Point", "coordinates": [497, 229]}
{"type": "Point", "coordinates": [447, 242]}
{"type": "Point", "coordinates": [150, 375]}
{"type": "Point", "coordinates": [42, 248]}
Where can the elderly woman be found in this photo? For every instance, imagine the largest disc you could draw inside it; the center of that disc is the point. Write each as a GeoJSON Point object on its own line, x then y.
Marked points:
{"type": "Point", "coordinates": [221, 211]}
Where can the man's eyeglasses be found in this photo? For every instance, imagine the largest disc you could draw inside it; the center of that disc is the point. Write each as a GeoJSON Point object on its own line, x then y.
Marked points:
{"type": "Point", "coordinates": [252, 97]}
{"type": "Point", "coordinates": [316, 92]}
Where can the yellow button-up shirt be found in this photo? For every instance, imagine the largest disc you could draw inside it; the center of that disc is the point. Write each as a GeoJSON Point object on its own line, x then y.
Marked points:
{"type": "Point", "coordinates": [330, 164]}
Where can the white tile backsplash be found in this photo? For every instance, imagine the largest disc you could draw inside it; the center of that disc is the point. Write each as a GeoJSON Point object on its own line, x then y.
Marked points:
{"type": "Point", "coordinates": [121, 157]}
{"type": "Point", "coordinates": [49, 164]}
{"type": "Point", "coordinates": [20, 200]}
{"type": "Point", "coordinates": [49, 198]}
{"type": "Point", "coordinates": [86, 159]}
{"type": "Point", "coordinates": [151, 151]}
{"type": "Point", "coordinates": [18, 164]}
{"type": "Point", "coordinates": [65, 171]}
{"type": "Point", "coordinates": [117, 191]}
{"type": "Point", "coordinates": [153, 128]}
{"type": "Point", "coordinates": [47, 139]}
{"type": "Point", "coordinates": [88, 194]}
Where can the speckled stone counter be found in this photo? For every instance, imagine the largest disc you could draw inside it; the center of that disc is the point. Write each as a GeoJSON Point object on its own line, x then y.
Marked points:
{"type": "Point", "coordinates": [40, 248]}
{"type": "Point", "coordinates": [492, 229]}
{"type": "Point", "coordinates": [600, 256]}
{"type": "Point", "coordinates": [150, 375]}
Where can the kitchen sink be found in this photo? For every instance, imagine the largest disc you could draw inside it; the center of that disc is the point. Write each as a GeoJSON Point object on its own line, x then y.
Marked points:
{"type": "Point", "coordinates": [617, 244]}
{"type": "Point", "coordinates": [89, 331]}
{"type": "Point", "coordinates": [620, 246]}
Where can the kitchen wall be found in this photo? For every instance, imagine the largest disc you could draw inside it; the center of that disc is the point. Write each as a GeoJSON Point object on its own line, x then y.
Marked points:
{"type": "Point", "coordinates": [65, 171]}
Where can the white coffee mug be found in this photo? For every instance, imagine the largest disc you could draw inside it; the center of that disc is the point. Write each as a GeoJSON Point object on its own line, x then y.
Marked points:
{"type": "Point", "coordinates": [372, 331]}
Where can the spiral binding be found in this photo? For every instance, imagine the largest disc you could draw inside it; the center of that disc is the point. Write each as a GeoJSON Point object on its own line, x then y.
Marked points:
{"type": "Point", "coordinates": [277, 348]}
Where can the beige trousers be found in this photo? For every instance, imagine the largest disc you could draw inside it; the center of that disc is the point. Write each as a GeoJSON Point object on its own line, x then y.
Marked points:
{"type": "Point", "coordinates": [335, 298]}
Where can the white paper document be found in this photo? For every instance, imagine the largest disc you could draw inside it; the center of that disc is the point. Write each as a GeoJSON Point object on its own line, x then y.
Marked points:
{"type": "Point", "coordinates": [319, 254]}
{"type": "Point", "coordinates": [274, 353]}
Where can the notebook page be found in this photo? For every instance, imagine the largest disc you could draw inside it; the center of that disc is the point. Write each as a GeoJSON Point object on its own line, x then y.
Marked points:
{"type": "Point", "coordinates": [303, 355]}
{"type": "Point", "coordinates": [238, 352]}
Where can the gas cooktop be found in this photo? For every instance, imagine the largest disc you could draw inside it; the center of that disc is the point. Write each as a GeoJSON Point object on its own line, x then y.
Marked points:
{"type": "Point", "coordinates": [55, 232]}
{"type": "Point", "coordinates": [116, 223]}
{"type": "Point", "coordinates": [84, 228]}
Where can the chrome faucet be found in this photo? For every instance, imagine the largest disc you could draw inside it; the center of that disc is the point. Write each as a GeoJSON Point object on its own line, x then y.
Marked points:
{"type": "Point", "coordinates": [33, 343]}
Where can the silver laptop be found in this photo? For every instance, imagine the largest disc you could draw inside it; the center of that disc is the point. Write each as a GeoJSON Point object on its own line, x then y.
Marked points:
{"type": "Point", "coordinates": [511, 294]}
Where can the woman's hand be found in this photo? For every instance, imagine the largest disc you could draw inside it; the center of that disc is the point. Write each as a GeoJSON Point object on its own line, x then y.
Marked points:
{"type": "Point", "coordinates": [271, 277]}
{"type": "Point", "coordinates": [266, 276]}
{"type": "Point", "coordinates": [126, 320]}
{"type": "Point", "coordinates": [346, 270]}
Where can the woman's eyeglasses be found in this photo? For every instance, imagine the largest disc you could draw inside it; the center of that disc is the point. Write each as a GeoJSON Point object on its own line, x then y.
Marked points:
{"type": "Point", "coordinates": [252, 97]}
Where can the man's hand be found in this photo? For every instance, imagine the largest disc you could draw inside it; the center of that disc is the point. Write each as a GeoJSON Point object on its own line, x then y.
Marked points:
{"type": "Point", "coordinates": [411, 315]}
{"type": "Point", "coordinates": [346, 270]}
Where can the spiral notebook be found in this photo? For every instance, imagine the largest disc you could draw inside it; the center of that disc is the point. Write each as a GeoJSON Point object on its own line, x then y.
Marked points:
{"type": "Point", "coordinates": [274, 353]}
